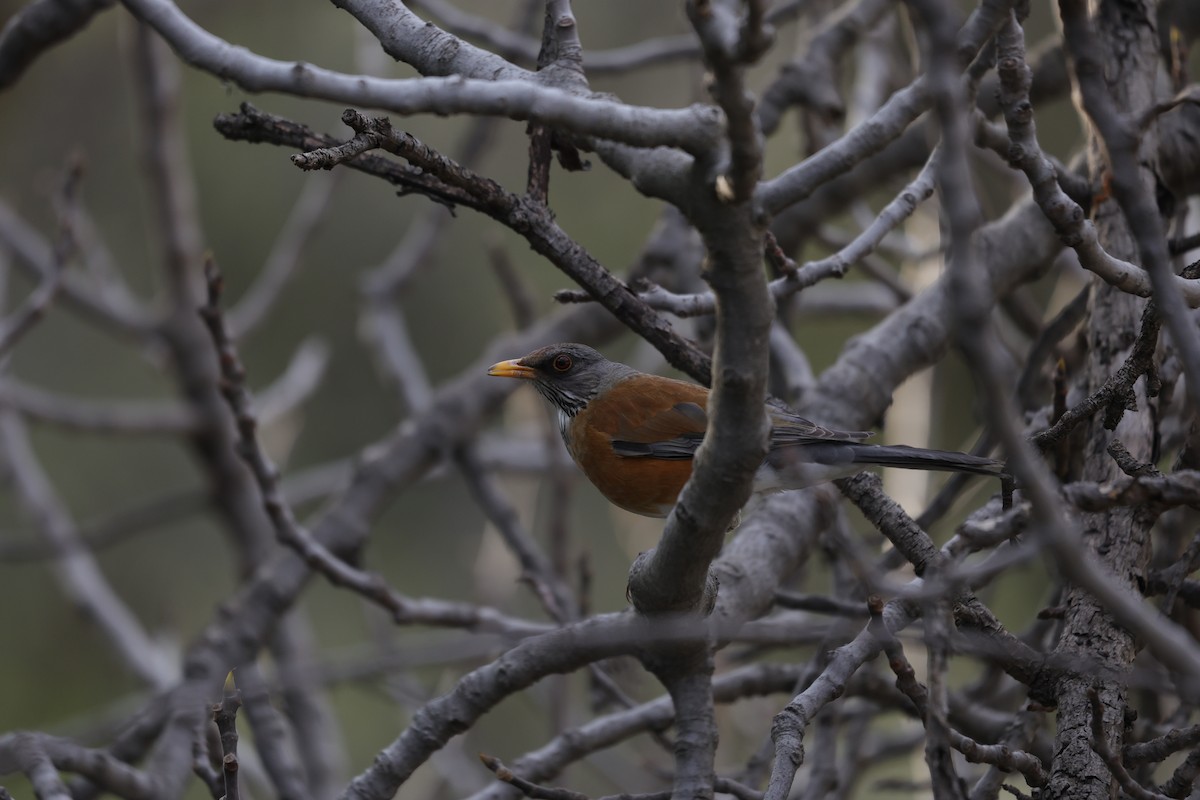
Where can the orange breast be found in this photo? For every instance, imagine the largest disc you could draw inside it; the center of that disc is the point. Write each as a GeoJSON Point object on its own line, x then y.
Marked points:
{"type": "Point", "coordinates": [639, 409]}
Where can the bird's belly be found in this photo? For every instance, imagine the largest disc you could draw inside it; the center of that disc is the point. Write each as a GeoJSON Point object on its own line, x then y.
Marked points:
{"type": "Point", "coordinates": [646, 486]}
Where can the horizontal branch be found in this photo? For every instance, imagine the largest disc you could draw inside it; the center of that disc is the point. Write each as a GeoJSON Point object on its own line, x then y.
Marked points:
{"type": "Point", "coordinates": [695, 129]}
{"type": "Point", "coordinates": [1178, 489]}
{"type": "Point", "coordinates": [120, 417]}
{"type": "Point", "coordinates": [521, 48]}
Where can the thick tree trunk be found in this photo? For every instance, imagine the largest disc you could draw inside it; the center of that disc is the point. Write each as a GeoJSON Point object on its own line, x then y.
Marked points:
{"type": "Point", "coordinates": [1099, 650]}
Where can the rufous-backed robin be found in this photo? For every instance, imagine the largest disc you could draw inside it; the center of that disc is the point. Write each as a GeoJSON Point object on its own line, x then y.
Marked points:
{"type": "Point", "coordinates": [634, 435]}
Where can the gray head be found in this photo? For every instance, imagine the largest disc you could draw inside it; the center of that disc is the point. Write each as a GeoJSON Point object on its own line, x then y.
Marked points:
{"type": "Point", "coordinates": [568, 375]}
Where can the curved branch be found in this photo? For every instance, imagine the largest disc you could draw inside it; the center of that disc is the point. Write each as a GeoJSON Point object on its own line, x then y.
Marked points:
{"type": "Point", "coordinates": [694, 129]}
{"type": "Point", "coordinates": [562, 650]}
{"type": "Point", "coordinates": [39, 26]}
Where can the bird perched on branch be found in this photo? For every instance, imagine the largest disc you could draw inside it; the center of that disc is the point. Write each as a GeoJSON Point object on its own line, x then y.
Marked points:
{"type": "Point", "coordinates": [634, 435]}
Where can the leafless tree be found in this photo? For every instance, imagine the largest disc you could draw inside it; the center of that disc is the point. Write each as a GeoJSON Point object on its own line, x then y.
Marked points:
{"type": "Point", "coordinates": [1061, 283]}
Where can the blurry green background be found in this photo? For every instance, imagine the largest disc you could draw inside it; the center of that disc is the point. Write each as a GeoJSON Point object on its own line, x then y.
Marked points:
{"type": "Point", "coordinates": [57, 673]}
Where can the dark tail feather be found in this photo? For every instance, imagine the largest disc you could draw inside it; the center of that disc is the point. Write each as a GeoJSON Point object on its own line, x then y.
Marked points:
{"type": "Point", "coordinates": [898, 455]}
{"type": "Point", "coordinates": [802, 465]}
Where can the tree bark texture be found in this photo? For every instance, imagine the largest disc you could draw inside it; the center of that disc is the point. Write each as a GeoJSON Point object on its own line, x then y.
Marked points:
{"type": "Point", "coordinates": [1100, 651]}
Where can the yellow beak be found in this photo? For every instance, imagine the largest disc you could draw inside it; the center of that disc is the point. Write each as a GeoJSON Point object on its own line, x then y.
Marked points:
{"type": "Point", "coordinates": [512, 368]}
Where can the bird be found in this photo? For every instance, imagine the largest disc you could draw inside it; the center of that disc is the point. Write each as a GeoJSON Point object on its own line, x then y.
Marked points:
{"type": "Point", "coordinates": [634, 434]}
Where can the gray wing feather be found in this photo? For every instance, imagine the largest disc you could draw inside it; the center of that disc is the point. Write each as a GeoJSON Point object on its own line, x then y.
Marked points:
{"type": "Point", "coordinates": [680, 447]}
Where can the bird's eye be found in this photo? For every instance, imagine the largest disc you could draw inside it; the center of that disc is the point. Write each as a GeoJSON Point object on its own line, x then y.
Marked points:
{"type": "Point", "coordinates": [562, 362]}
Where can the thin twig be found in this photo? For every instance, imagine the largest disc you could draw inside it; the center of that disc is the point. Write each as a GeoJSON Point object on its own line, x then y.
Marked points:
{"type": "Point", "coordinates": [225, 716]}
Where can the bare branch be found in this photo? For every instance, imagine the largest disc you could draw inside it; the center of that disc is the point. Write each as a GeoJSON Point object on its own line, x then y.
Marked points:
{"type": "Point", "coordinates": [39, 26]}
{"type": "Point", "coordinates": [873, 134]}
{"type": "Point", "coordinates": [115, 417]}
{"type": "Point", "coordinates": [691, 129]}
{"type": "Point", "coordinates": [36, 256]}
{"type": "Point", "coordinates": [40, 756]}
{"type": "Point", "coordinates": [289, 531]}
{"type": "Point", "coordinates": [78, 573]}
